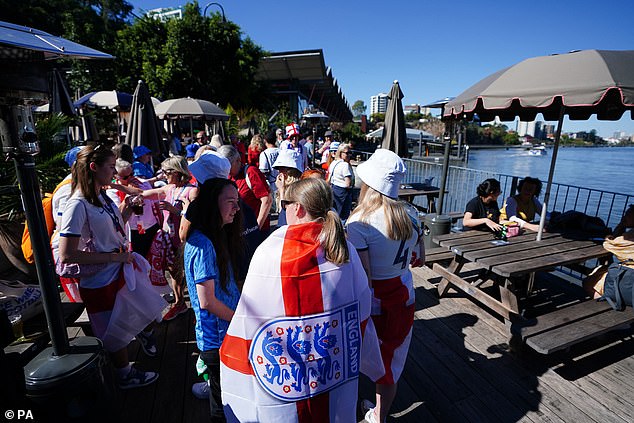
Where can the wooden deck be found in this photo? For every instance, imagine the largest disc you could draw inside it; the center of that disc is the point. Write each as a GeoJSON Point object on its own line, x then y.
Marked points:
{"type": "Point", "coordinates": [460, 369]}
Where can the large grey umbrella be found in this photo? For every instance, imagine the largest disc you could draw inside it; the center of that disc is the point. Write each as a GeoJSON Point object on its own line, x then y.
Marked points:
{"type": "Point", "coordinates": [190, 108]}
{"type": "Point", "coordinates": [394, 135]}
{"type": "Point", "coordinates": [577, 84]}
{"type": "Point", "coordinates": [144, 128]}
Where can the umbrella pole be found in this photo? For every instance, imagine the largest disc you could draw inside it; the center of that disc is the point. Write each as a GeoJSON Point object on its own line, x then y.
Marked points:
{"type": "Point", "coordinates": [551, 172]}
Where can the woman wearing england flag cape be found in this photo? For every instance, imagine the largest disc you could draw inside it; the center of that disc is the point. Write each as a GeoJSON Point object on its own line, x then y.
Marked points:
{"type": "Point", "coordinates": [301, 332]}
{"type": "Point", "coordinates": [387, 236]}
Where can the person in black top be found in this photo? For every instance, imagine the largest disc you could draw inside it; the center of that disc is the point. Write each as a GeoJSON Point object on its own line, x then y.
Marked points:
{"type": "Point", "coordinates": [482, 212]}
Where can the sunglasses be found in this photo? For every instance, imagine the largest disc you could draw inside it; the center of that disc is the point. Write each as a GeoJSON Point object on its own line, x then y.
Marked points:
{"type": "Point", "coordinates": [286, 203]}
{"type": "Point", "coordinates": [124, 178]}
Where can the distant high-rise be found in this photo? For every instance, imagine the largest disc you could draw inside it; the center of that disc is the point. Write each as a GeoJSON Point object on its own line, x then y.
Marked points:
{"type": "Point", "coordinates": [525, 128]}
{"type": "Point", "coordinates": [378, 103]}
{"type": "Point", "coordinates": [165, 13]}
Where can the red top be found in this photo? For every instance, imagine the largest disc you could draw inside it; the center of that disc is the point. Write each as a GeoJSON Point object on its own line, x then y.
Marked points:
{"type": "Point", "coordinates": [259, 189]}
{"type": "Point", "coordinates": [253, 157]}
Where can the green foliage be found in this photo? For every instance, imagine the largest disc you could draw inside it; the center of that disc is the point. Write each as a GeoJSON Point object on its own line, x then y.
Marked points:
{"type": "Point", "coordinates": [351, 133]}
{"type": "Point", "coordinates": [51, 135]}
{"type": "Point", "coordinates": [359, 108]}
{"type": "Point", "coordinates": [377, 117]}
{"type": "Point", "coordinates": [413, 117]}
{"type": "Point", "coordinates": [511, 138]}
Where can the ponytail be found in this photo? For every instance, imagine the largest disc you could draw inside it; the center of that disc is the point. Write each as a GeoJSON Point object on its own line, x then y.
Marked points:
{"type": "Point", "coordinates": [333, 239]}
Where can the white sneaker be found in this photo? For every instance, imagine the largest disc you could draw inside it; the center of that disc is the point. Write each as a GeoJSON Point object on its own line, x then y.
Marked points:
{"type": "Point", "coordinates": [369, 416]}
{"type": "Point", "coordinates": [201, 390]}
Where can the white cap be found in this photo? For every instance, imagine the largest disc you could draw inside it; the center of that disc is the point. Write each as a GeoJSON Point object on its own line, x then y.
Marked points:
{"type": "Point", "coordinates": [210, 165]}
{"type": "Point", "coordinates": [383, 171]}
{"type": "Point", "coordinates": [289, 158]}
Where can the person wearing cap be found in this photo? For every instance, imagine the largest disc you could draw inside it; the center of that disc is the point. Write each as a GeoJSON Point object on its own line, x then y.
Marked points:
{"type": "Point", "coordinates": [324, 150]}
{"type": "Point", "coordinates": [341, 179]}
{"type": "Point", "coordinates": [279, 136]}
{"type": "Point", "coordinates": [142, 167]}
{"type": "Point", "coordinates": [332, 152]}
{"type": "Point", "coordinates": [191, 151]}
{"type": "Point", "coordinates": [290, 167]}
{"type": "Point", "coordinates": [254, 190]}
{"type": "Point", "coordinates": [386, 235]}
{"type": "Point", "coordinates": [292, 142]}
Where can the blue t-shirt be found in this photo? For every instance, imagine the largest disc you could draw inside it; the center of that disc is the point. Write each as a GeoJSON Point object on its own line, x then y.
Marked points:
{"type": "Point", "coordinates": [200, 266]}
{"type": "Point", "coordinates": [143, 170]}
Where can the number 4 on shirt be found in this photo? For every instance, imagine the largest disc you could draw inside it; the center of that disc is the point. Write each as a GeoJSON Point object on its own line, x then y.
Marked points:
{"type": "Point", "coordinates": [402, 256]}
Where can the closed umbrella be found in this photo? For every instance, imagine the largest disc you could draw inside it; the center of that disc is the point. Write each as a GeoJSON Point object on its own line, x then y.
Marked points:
{"type": "Point", "coordinates": [577, 84]}
{"type": "Point", "coordinates": [144, 128]}
{"type": "Point", "coordinates": [59, 96]}
{"type": "Point", "coordinates": [394, 135]}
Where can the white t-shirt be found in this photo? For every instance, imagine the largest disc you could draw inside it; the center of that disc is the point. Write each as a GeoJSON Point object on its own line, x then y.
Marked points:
{"type": "Point", "coordinates": [267, 158]}
{"type": "Point", "coordinates": [107, 237]}
{"type": "Point", "coordinates": [58, 203]}
{"type": "Point", "coordinates": [388, 258]}
{"type": "Point", "coordinates": [340, 170]}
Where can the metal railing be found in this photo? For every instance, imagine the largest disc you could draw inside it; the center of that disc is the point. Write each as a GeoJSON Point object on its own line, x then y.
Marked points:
{"type": "Point", "coordinates": [462, 183]}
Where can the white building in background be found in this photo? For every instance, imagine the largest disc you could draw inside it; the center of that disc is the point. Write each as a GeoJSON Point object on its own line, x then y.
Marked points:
{"type": "Point", "coordinates": [525, 128]}
{"type": "Point", "coordinates": [378, 103]}
{"type": "Point", "coordinates": [165, 13]}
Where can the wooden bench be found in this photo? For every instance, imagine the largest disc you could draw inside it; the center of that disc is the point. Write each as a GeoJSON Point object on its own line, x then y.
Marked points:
{"type": "Point", "coordinates": [437, 255]}
{"type": "Point", "coordinates": [573, 324]}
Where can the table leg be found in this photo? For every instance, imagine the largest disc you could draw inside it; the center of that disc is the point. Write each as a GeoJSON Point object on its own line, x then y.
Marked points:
{"type": "Point", "coordinates": [454, 267]}
{"type": "Point", "coordinates": [508, 298]}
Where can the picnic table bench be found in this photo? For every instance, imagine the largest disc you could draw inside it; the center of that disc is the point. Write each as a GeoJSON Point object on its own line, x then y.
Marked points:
{"type": "Point", "coordinates": [507, 266]}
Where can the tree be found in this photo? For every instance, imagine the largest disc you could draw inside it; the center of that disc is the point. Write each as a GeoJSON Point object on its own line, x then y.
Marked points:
{"type": "Point", "coordinates": [359, 108]}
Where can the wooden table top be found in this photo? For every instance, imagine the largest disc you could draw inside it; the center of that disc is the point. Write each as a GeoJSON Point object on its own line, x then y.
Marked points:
{"type": "Point", "coordinates": [521, 254]}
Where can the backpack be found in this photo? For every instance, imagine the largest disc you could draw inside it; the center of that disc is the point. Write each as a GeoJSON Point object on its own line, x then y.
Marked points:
{"type": "Point", "coordinates": [47, 206]}
{"type": "Point", "coordinates": [618, 287]}
{"type": "Point", "coordinates": [577, 225]}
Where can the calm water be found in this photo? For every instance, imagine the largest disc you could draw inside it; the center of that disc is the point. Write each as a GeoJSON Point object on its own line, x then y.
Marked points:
{"type": "Point", "coordinates": [604, 168]}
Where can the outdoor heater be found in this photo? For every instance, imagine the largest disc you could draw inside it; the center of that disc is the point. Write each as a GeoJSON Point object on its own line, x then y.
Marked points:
{"type": "Point", "coordinates": [70, 379]}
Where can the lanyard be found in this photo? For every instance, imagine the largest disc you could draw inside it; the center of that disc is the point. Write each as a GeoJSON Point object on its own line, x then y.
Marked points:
{"type": "Point", "coordinates": [107, 207]}
{"type": "Point", "coordinates": [177, 198]}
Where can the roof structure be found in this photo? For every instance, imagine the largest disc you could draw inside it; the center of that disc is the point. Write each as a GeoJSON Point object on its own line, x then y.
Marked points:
{"type": "Point", "coordinates": [304, 73]}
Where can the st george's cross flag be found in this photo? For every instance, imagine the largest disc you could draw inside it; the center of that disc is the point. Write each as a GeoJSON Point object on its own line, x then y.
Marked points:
{"type": "Point", "coordinates": [300, 335]}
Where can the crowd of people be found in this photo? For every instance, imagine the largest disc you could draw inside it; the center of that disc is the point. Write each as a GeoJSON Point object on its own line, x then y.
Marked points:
{"type": "Point", "coordinates": [287, 315]}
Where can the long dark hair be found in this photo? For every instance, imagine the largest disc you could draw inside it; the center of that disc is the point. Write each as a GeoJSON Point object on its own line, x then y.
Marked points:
{"type": "Point", "coordinates": [84, 177]}
{"type": "Point", "coordinates": [204, 215]}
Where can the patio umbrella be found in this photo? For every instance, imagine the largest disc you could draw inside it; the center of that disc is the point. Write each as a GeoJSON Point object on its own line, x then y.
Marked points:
{"type": "Point", "coordinates": [190, 108]}
{"type": "Point", "coordinates": [577, 84]}
{"type": "Point", "coordinates": [144, 128]}
{"type": "Point", "coordinates": [394, 135]}
{"type": "Point", "coordinates": [113, 100]}
{"type": "Point", "coordinates": [59, 95]}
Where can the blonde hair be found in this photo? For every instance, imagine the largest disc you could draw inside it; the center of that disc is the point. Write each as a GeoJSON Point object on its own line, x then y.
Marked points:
{"type": "Point", "coordinates": [315, 196]}
{"type": "Point", "coordinates": [340, 150]}
{"type": "Point", "coordinates": [178, 164]}
{"type": "Point", "coordinates": [397, 221]}
{"type": "Point", "coordinates": [257, 143]}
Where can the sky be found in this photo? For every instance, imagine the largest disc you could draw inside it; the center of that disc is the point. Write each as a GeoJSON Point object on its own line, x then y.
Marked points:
{"type": "Point", "coordinates": [435, 49]}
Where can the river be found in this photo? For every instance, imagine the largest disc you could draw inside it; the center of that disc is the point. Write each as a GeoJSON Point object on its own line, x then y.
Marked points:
{"type": "Point", "coordinates": [602, 168]}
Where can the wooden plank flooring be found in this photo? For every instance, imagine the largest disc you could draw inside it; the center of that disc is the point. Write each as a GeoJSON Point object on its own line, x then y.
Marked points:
{"type": "Point", "coordinates": [459, 369]}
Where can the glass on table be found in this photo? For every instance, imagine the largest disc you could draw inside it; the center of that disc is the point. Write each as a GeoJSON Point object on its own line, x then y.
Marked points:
{"type": "Point", "coordinates": [17, 324]}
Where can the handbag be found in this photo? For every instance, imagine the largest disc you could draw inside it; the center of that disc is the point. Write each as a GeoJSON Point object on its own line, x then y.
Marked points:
{"type": "Point", "coordinates": [161, 253]}
{"type": "Point", "coordinates": [76, 270]}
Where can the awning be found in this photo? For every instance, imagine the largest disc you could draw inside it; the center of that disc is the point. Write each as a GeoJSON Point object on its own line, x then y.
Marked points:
{"type": "Point", "coordinates": [305, 74]}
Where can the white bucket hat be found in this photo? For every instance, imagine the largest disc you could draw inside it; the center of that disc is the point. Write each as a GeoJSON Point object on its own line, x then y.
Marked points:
{"type": "Point", "coordinates": [289, 158]}
{"type": "Point", "coordinates": [383, 171]}
{"type": "Point", "coordinates": [210, 165]}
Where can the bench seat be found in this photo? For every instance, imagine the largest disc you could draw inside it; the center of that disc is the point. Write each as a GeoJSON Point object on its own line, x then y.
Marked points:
{"type": "Point", "coordinates": [574, 324]}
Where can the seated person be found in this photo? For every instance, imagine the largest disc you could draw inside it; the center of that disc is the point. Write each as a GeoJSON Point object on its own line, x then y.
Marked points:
{"type": "Point", "coordinates": [621, 244]}
{"type": "Point", "coordinates": [482, 212]}
{"type": "Point", "coordinates": [521, 208]}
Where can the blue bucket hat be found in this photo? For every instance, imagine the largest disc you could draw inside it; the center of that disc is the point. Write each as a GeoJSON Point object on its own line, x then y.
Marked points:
{"type": "Point", "coordinates": [141, 150]}
{"type": "Point", "coordinates": [71, 155]}
{"type": "Point", "coordinates": [191, 150]}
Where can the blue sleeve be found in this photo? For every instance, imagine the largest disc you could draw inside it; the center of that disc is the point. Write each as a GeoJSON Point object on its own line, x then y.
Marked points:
{"type": "Point", "coordinates": [204, 260]}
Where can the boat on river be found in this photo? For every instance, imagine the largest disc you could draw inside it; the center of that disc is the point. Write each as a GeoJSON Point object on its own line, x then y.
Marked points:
{"type": "Point", "coordinates": [540, 150]}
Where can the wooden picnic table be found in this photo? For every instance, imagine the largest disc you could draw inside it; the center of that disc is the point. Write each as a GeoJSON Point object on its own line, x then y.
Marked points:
{"type": "Point", "coordinates": [508, 264]}
{"type": "Point", "coordinates": [411, 190]}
